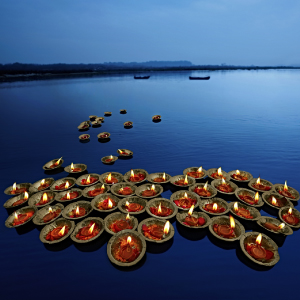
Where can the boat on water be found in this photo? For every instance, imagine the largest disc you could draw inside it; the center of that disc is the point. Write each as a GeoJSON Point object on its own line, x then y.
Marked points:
{"type": "Point", "coordinates": [141, 77]}
{"type": "Point", "coordinates": [199, 78]}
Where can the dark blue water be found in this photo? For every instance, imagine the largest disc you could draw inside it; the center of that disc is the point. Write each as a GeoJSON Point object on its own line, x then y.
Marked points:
{"type": "Point", "coordinates": [246, 120]}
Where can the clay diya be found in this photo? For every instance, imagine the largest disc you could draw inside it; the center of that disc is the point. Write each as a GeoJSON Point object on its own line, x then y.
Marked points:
{"type": "Point", "coordinates": [226, 228]}
{"type": "Point", "coordinates": [17, 189]}
{"type": "Point", "coordinates": [21, 216]}
{"type": "Point", "coordinates": [107, 113]}
{"type": "Point", "coordinates": [156, 118]}
{"type": "Point", "coordinates": [96, 123]}
{"type": "Point", "coordinates": [159, 178]}
{"type": "Point", "coordinates": [109, 160]}
{"type": "Point", "coordinates": [88, 230]}
{"type": "Point", "coordinates": [105, 203]}
{"type": "Point", "coordinates": [156, 230]}
{"type": "Point", "coordinates": [95, 190]}
{"type": "Point", "coordinates": [273, 225]}
{"type": "Point", "coordinates": [126, 248]}
{"type": "Point", "coordinates": [215, 173]}
{"type": "Point", "coordinates": [123, 189]}
{"type": "Point", "coordinates": [287, 191]}
{"type": "Point", "coordinates": [70, 195]}
{"type": "Point", "coordinates": [48, 214]}
{"type": "Point", "coordinates": [63, 184]}
{"type": "Point", "coordinates": [117, 222]}
{"type": "Point", "coordinates": [125, 152]}
{"type": "Point", "coordinates": [84, 126]}
{"type": "Point", "coordinates": [84, 137]}
{"type": "Point", "coordinates": [195, 172]}
{"type": "Point", "coordinates": [128, 124]}
{"type": "Point", "coordinates": [161, 208]}
{"type": "Point", "coordinates": [193, 219]}
{"type": "Point", "coordinates": [57, 231]}
{"type": "Point", "coordinates": [244, 212]}
{"type": "Point", "coordinates": [149, 191]}
{"type": "Point", "coordinates": [88, 179]}
{"type": "Point", "coordinates": [185, 199]}
{"type": "Point", "coordinates": [77, 210]}
{"type": "Point", "coordinates": [123, 111]}
{"type": "Point", "coordinates": [214, 206]}
{"type": "Point", "coordinates": [41, 185]}
{"type": "Point", "coordinates": [249, 197]}
{"type": "Point", "coordinates": [41, 199]}
{"type": "Point", "coordinates": [240, 176]}
{"type": "Point", "coordinates": [100, 119]}
{"type": "Point", "coordinates": [290, 216]}
{"type": "Point", "coordinates": [17, 200]}
{"type": "Point", "coordinates": [182, 181]}
{"type": "Point", "coordinates": [224, 187]}
{"type": "Point", "coordinates": [275, 200]}
{"type": "Point", "coordinates": [260, 185]}
{"type": "Point", "coordinates": [259, 248]}
{"type": "Point", "coordinates": [75, 168]}
{"type": "Point", "coordinates": [53, 164]}
{"type": "Point", "coordinates": [111, 178]}
{"type": "Point", "coordinates": [93, 117]}
{"type": "Point", "coordinates": [103, 135]}
{"type": "Point", "coordinates": [136, 176]}
{"type": "Point", "coordinates": [133, 205]}
{"type": "Point", "coordinates": [205, 191]}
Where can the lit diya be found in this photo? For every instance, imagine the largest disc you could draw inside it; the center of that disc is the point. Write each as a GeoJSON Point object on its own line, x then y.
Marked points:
{"type": "Point", "coordinates": [158, 177]}
{"type": "Point", "coordinates": [161, 208]}
{"type": "Point", "coordinates": [20, 217]}
{"type": "Point", "coordinates": [276, 201]}
{"type": "Point", "coordinates": [41, 198]}
{"type": "Point", "coordinates": [124, 152]}
{"type": "Point", "coordinates": [195, 172]}
{"type": "Point", "coordinates": [134, 205]}
{"type": "Point", "coordinates": [184, 200]}
{"type": "Point", "coordinates": [117, 222]}
{"type": "Point", "coordinates": [260, 184]}
{"type": "Point", "coordinates": [48, 214]}
{"type": "Point", "coordinates": [203, 190]}
{"type": "Point", "coordinates": [111, 178]}
{"type": "Point", "coordinates": [88, 232]}
{"type": "Point", "coordinates": [95, 190]}
{"type": "Point", "coordinates": [57, 233]}
{"type": "Point", "coordinates": [136, 175]}
{"type": "Point", "coordinates": [217, 174]}
{"type": "Point", "coordinates": [106, 203]}
{"type": "Point", "coordinates": [128, 124]}
{"type": "Point", "coordinates": [193, 219]}
{"type": "Point", "coordinates": [287, 191]}
{"type": "Point", "coordinates": [225, 187]}
{"type": "Point", "coordinates": [77, 210]}
{"type": "Point", "coordinates": [52, 214]}
{"type": "Point", "coordinates": [87, 179]}
{"type": "Point", "coordinates": [53, 164]}
{"type": "Point", "coordinates": [156, 118]}
{"type": "Point", "coordinates": [291, 216]}
{"type": "Point", "coordinates": [181, 180]}
{"type": "Point", "coordinates": [63, 184]}
{"type": "Point", "coordinates": [244, 211]}
{"type": "Point", "coordinates": [69, 195]}
{"type": "Point", "coordinates": [155, 230]}
{"type": "Point", "coordinates": [17, 189]}
{"type": "Point", "coordinates": [274, 225]}
{"type": "Point", "coordinates": [109, 159]}
{"type": "Point", "coordinates": [76, 168]}
{"type": "Point", "coordinates": [238, 175]}
{"type": "Point", "coordinates": [123, 189]}
{"type": "Point", "coordinates": [44, 184]}
{"type": "Point", "coordinates": [149, 190]}
{"type": "Point", "coordinates": [103, 135]}
{"type": "Point", "coordinates": [249, 197]}
{"type": "Point", "coordinates": [84, 137]}
{"type": "Point", "coordinates": [216, 206]}
{"type": "Point", "coordinates": [16, 201]}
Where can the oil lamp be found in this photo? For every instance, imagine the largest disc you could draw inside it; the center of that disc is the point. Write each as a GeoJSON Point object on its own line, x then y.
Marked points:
{"type": "Point", "coordinates": [21, 201]}
{"type": "Point", "coordinates": [290, 217]}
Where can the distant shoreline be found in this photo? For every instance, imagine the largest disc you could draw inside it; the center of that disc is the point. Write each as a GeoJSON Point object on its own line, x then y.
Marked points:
{"type": "Point", "coordinates": [40, 75]}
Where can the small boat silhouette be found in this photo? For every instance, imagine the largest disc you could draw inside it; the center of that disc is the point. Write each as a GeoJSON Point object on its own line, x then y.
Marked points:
{"type": "Point", "coordinates": [141, 77]}
{"type": "Point", "coordinates": [199, 78]}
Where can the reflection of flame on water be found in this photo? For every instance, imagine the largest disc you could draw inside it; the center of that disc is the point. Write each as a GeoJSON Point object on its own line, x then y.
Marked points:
{"type": "Point", "coordinates": [129, 240]}
{"type": "Point", "coordinates": [290, 211]}
{"type": "Point", "coordinates": [220, 172]}
{"type": "Point", "coordinates": [281, 225]}
{"type": "Point", "coordinates": [200, 169]}
{"type": "Point", "coordinates": [45, 197]}
{"type": "Point", "coordinates": [67, 185]}
{"type": "Point", "coordinates": [215, 207]}
{"type": "Point", "coordinates": [258, 180]}
{"type": "Point", "coordinates": [109, 177]}
{"type": "Point", "coordinates": [235, 206]}
{"type": "Point", "coordinates": [167, 228]}
{"type": "Point", "coordinates": [256, 198]}
{"type": "Point", "coordinates": [274, 201]}
{"type": "Point", "coordinates": [50, 210]}
{"type": "Point", "coordinates": [205, 186]}
{"type": "Point", "coordinates": [127, 217]}
{"type": "Point", "coordinates": [62, 231]}
{"type": "Point", "coordinates": [25, 195]}
{"type": "Point", "coordinates": [72, 166]}
{"type": "Point", "coordinates": [185, 180]}
{"type": "Point", "coordinates": [191, 210]}
{"type": "Point", "coordinates": [88, 180]}
{"type": "Point", "coordinates": [258, 239]}
{"type": "Point", "coordinates": [232, 223]}
{"type": "Point", "coordinates": [237, 172]}
{"type": "Point", "coordinates": [159, 208]}
{"type": "Point", "coordinates": [15, 186]}
{"type": "Point", "coordinates": [285, 188]}
{"type": "Point", "coordinates": [91, 228]}
{"type": "Point", "coordinates": [110, 205]}
{"type": "Point", "coordinates": [68, 196]}
{"type": "Point", "coordinates": [164, 176]}
{"type": "Point", "coordinates": [16, 216]}
{"type": "Point", "coordinates": [77, 211]}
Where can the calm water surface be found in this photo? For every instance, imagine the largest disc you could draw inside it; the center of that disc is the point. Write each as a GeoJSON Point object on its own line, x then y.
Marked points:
{"type": "Point", "coordinates": [247, 120]}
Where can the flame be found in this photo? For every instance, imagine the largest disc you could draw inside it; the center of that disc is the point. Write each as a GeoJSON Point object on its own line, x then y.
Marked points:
{"type": "Point", "coordinates": [200, 169]}
{"type": "Point", "coordinates": [220, 172]}
{"type": "Point", "coordinates": [121, 190]}
{"type": "Point", "coordinates": [258, 180]}
{"type": "Point", "coordinates": [127, 203]}
{"type": "Point", "coordinates": [274, 201]}
{"type": "Point", "coordinates": [92, 228]}
{"type": "Point", "coordinates": [102, 187]}
{"type": "Point", "coordinates": [258, 239]}
{"type": "Point", "coordinates": [67, 185]}
{"type": "Point", "coordinates": [129, 240]}
{"type": "Point", "coordinates": [285, 188]}
{"type": "Point", "coordinates": [50, 210]}
{"type": "Point", "coordinates": [45, 197]}
{"type": "Point", "coordinates": [15, 186]}
{"type": "Point", "coordinates": [237, 172]}
{"type": "Point", "coordinates": [153, 187]}
{"type": "Point", "coordinates": [58, 162]}
{"type": "Point", "coordinates": [290, 211]}
{"type": "Point", "coordinates": [235, 206]}
{"type": "Point", "coordinates": [205, 185]}
{"type": "Point", "coordinates": [185, 180]}
{"type": "Point", "coordinates": [223, 181]}
{"type": "Point", "coordinates": [77, 211]}
{"type": "Point", "coordinates": [42, 181]}
{"type": "Point", "coordinates": [159, 208]}
{"type": "Point", "coordinates": [88, 180]}
{"type": "Point", "coordinates": [111, 157]}
{"type": "Point", "coordinates": [232, 223]}
{"type": "Point", "coordinates": [131, 173]}
{"type": "Point", "coordinates": [281, 225]}
{"type": "Point", "coordinates": [26, 195]}
{"type": "Point", "coordinates": [109, 177]}
{"type": "Point", "coordinates": [127, 217]}
{"type": "Point", "coordinates": [68, 196]}
{"type": "Point", "coordinates": [110, 205]}
{"type": "Point", "coordinates": [72, 166]}
{"type": "Point", "coordinates": [185, 196]}
{"type": "Point", "coordinates": [215, 206]}
{"type": "Point", "coordinates": [256, 198]}
{"type": "Point", "coordinates": [62, 231]}
{"type": "Point", "coordinates": [191, 210]}
{"type": "Point", "coordinates": [167, 228]}
{"type": "Point", "coordinates": [16, 216]}
{"type": "Point", "coordinates": [164, 176]}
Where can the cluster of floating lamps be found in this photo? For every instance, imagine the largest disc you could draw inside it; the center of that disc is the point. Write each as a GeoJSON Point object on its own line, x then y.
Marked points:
{"type": "Point", "coordinates": [131, 195]}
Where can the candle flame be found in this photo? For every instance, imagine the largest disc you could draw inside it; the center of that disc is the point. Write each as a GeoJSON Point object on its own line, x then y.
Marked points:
{"type": "Point", "coordinates": [42, 181]}
{"type": "Point", "coordinates": [16, 216]}
{"type": "Point", "coordinates": [102, 187]}
{"type": "Point", "coordinates": [258, 239]}
{"type": "Point", "coordinates": [62, 231]}
{"type": "Point", "coordinates": [109, 177]}
{"type": "Point", "coordinates": [232, 223]}
{"type": "Point", "coordinates": [223, 181]}
{"type": "Point", "coordinates": [25, 195]}
{"type": "Point", "coordinates": [45, 197]}
{"type": "Point", "coordinates": [274, 201]}
{"type": "Point", "coordinates": [15, 186]}
{"type": "Point", "coordinates": [285, 188]}
{"type": "Point", "coordinates": [110, 205]}
{"type": "Point", "coordinates": [185, 180]}
{"type": "Point", "coordinates": [236, 208]}
{"type": "Point", "coordinates": [164, 176]}
{"type": "Point", "coordinates": [256, 198]}
{"type": "Point", "coordinates": [129, 240]}
{"type": "Point", "coordinates": [127, 217]}
{"type": "Point", "coordinates": [200, 169]}
{"type": "Point", "coordinates": [67, 185]}
{"type": "Point", "coordinates": [131, 173]}
{"type": "Point", "coordinates": [191, 210]}
{"type": "Point", "coordinates": [258, 180]}
{"type": "Point", "coordinates": [159, 208]}
{"type": "Point", "coordinates": [153, 187]}
{"type": "Point", "coordinates": [215, 207]}
{"type": "Point", "coordinates": [68, 196]}
{"type": "Point", "coordinates": [220, 172]}
{"type": "Point", "coordinates": [127, 203]}
{"type": "Point", "coordinates": [77, 211]}
{"type": "Point", "coordinates": [121, 190]}
{"type": "Point", "coordinates": [92, 228]}
{"type": "Point", "coordinates": [167, 228]}
{"type": "Point", "coordinates": [185, 195]}
{"type": "Point", "coordinates": [58, 162]}
{"type": "Point", "coordinates": [88, 180]}
{"type": "Point", "coordinates": [72, 166]}
{"type": "Point", "coordinates": [50, 210]}
{"type": "Point", "coordinates": [290, 211]}
{"type": "Point", "coordinates": [281, 225]}
{"type": "Point", "coordinates": [238, 172]}
{"type": "Point", "coordinates": [111, 157]}
{"type": "Point", "coordinates": [205, 185]}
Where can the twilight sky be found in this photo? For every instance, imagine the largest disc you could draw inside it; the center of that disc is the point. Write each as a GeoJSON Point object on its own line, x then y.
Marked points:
{"type": "Point", "coordinates": [239, 32]}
